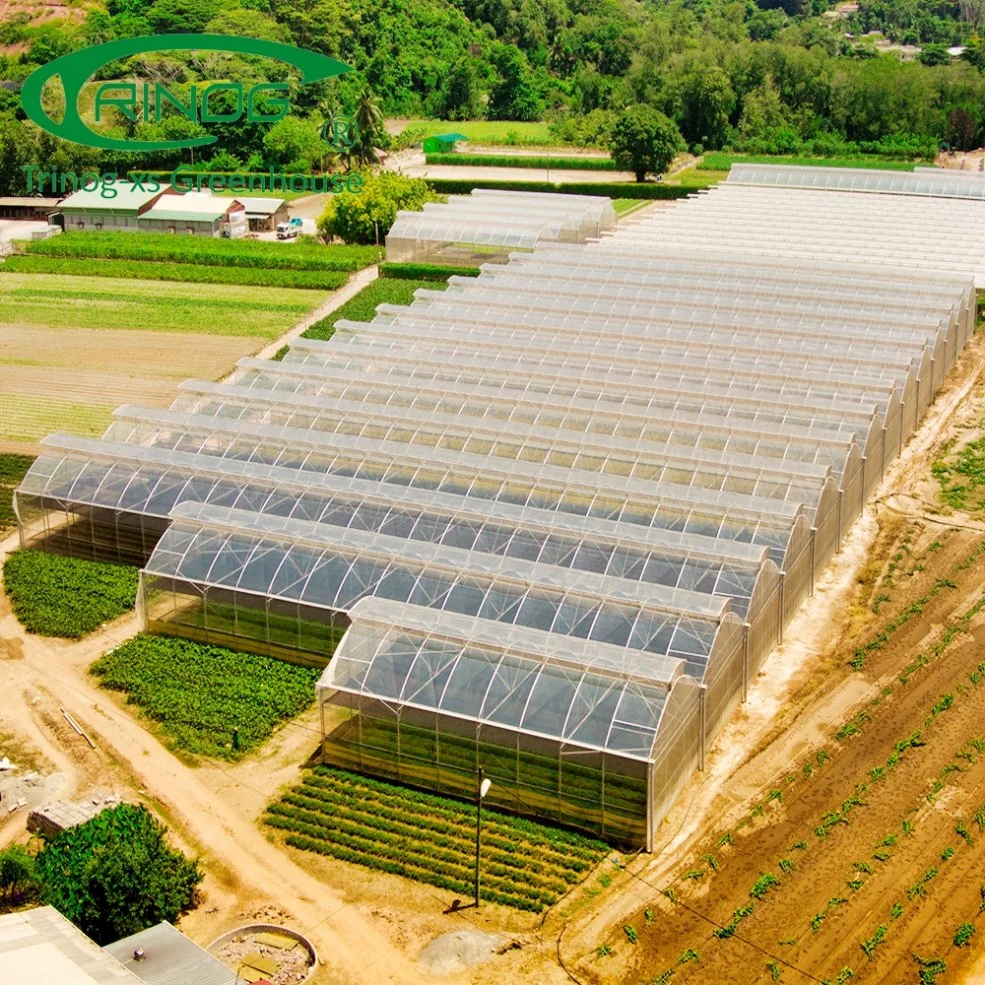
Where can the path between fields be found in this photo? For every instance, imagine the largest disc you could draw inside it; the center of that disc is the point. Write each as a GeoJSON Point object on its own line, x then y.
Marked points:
{"type": "Point", "coordinates": [351, 948]}
{"type": "Point", "coordinates": [359, 280]}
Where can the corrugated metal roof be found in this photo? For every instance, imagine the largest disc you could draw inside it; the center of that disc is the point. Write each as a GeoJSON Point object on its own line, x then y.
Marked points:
{"type": "Point", "coordinates": [182, 215]}
{"type": "Point", "coordinates": [41, 947]}
{"type": "Point", "coordinates": [128, 198]}
{"type": "Point", "coordinates": [170, 958]}
{"type": "Point", "coordinates": [40, 203]}
{"type": "Point", "coordinates": [259, 205]}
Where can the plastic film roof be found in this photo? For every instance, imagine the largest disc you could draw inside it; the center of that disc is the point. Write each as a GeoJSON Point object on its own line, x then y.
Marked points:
{"type": "Point", "coordinates": [544, 494]}
{"type": "Point", "coordinates": [523, 683]}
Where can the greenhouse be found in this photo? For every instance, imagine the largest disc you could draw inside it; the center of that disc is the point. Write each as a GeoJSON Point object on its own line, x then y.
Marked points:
{"type": "Point", "coordinates": [551, 521]}
{"type": "Point", "coordinates": [487, 226]}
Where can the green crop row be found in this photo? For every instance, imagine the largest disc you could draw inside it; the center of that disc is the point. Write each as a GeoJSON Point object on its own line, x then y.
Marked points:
{"type": "Point", "coordinates": [325, 280]}
{"type": "Point", "coordinates": [63, 596]}
{"type": "Point", "coordinates": [566, 163]}
{"type": "Point", "coordinates": [424, 843]}
{"type": "Point", "coordinates": [202, 251]}
{"type": "Point", "coordinates": [426, 875]}
{"type": "Point", "coordinates": [531, 831]}
{"type": "Point", "coordinates": [426, 866]}
{"type": "Point", "coordinates": [198, 693]}
{"type": "Point", "coordinates": [425, 271]}
{"type": "Point", "coordinates": [448, 830]}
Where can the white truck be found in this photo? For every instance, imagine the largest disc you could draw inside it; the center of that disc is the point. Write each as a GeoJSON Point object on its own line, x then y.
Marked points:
{"type": "Point", "coordinates": [288, 230]}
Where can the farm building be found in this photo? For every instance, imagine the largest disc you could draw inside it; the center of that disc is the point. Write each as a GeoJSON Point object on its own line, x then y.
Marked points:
{"type": "Point", "coordinates": [552, 520]}
{"type": "Point", "coordinates": [487, 226]}
{"type": "Point", "coordinates": [42, 947]}
{"type": "Point", "coordinates": [197, 213]}
{"type": "Point", "coordinates": [263, 214]}
{"type": "Point", "coordinates": [31, 209]}
{"type": "Point", "coordinates": [443, 143]}
{"type": "Point", "coordinates": [113, 205]}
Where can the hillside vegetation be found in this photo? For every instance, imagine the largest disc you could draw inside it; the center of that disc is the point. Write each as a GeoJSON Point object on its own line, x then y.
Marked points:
{"type": "Point", "coordinates": [774, 76]}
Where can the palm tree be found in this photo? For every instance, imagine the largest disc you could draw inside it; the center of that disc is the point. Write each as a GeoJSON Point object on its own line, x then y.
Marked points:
{"type": "Point", "coordinates": [369, 121]}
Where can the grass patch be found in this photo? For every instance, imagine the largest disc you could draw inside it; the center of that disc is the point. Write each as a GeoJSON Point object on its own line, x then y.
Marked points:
{"type": "Point", "coordinates": [202, 251]}
{"type": "Point", "coordinates": [53, 595]}
{"type": "Point", "coordinates": [198, 693]}
{"type": "Point", "coordinates": [961, 476]}
{"type": "Point", "coordinates": [568, 163]}
{"type": "Point", "coordinates": [153, 306]}
{"type": "Point", "coordinates": [312, 280]}
{"type": "Point", "coordinates": [362, 306]}
{"type": "Point", "coordinates": [505, 132]}
{"type": "Point", "coordinates": [625, 205]}
{"type": "Point", "coordinates": [13, 468]}
{"type": "Point", "coordinates": [720, 161]}
{"type": "Point", "coordinates": [431, 839]}
{"type": "Point", "coordinates": [607, 189]}
{"type": "Point", "coordinates": [25, 418]}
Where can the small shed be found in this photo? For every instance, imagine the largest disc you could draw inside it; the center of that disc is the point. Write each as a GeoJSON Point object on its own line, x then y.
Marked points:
{"type": "Point", "coordinates": [442, 143]}
{"type": "Point", "coordinates": [32, 209]}
{"type": "Point", "coordinates": [263, 214]}
{"type": "Point", "coordinates": [50, 819]}
{"type": "Point", "coordinates": [163, 955]}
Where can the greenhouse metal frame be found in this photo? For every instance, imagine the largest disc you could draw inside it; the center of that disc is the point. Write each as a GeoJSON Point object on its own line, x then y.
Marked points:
{"type": "Point", "coordinates": [552, 520]}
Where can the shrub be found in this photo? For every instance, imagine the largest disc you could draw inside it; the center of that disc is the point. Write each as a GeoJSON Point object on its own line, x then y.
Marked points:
{"type": "Point", "coordinates": [366, 216]}
{"type": "Point", "coordinates": [18, 878]}
{"type": "Point", "coordinates": [116, 875]}
{"type": "Point", "coordinates": [53, 595]}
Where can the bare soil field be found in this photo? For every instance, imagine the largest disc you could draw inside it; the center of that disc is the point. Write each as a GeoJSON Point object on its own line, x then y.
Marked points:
{"type": "Point", "coordinates": [72, 379]}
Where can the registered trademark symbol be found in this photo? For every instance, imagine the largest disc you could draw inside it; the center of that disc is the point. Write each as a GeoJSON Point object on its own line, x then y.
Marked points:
{"type": "Point", "coordinates": [339, 133]}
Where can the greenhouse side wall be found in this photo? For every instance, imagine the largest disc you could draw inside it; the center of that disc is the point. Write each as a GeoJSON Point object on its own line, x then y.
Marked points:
{"type": "Point", "coordinates": [241, 620]}
{"type": "Point", "coordinates": [596, 792]}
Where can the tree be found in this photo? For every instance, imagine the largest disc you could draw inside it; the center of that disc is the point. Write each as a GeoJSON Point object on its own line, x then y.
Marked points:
{"type": "Point", "coordinates": [934, 54]}
{"type": "Point", "coordinates": [460, 93]}
{"type": "Point", "coordinates": [116, 874]}
{"type": "Point", "coordinates": [645, 141]}
{"type": "Point", "coordinates": [707, 103]}
{"type": "Point", "coordinates": [370, 129]}
{"type": "Point", "coordinates": [295, 142]}
{"type": "Point", "coordinates": [973, 11]}
{"type": "Point", "coordinates": [367, 215]}
{"type": "Point", "coordinates": [514, 95]}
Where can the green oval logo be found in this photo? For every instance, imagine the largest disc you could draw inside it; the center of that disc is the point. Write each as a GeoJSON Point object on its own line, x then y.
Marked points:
{"type": "Point", "coordinates": [77, 68]}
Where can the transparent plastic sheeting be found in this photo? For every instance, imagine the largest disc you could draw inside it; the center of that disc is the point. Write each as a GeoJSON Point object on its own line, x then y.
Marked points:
{"type": "Point", "coordinates": [480, 227]}
{"type": "Point", "coordinates": [603, 469]}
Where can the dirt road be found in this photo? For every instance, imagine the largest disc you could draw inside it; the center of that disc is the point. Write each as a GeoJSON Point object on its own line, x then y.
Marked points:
{"type": "Point", "coordinates": [353, 950]}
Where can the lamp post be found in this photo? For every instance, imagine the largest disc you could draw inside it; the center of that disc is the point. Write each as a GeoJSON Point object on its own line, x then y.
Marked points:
{"type": "Point", "coordinates": [482, 788]}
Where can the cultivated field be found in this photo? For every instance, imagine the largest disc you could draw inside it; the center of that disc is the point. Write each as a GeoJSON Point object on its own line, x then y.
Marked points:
{"type": "Point", "coordinates": [850, 847]}
{"type": "Point", "coordinates": [75, 348]}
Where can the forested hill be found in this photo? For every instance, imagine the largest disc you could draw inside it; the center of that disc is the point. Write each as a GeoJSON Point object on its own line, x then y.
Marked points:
{"type": "Point", "coordinates": [771, 76]}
